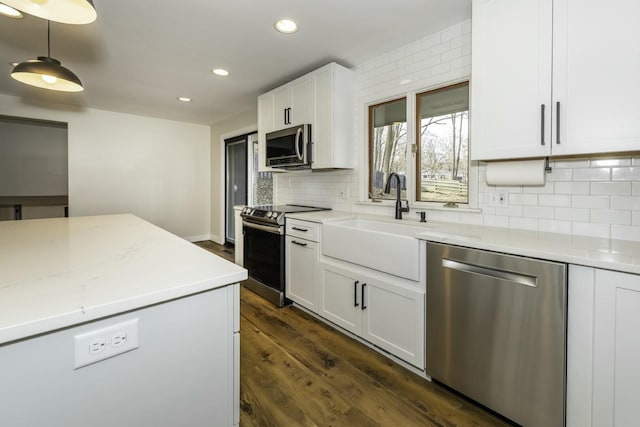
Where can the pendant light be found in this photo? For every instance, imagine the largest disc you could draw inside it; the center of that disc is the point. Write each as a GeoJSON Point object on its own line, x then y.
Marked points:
{"type": "Point", "coordinates": [46, 72]}
{"type": "Point", "coordinates": [64, 11]}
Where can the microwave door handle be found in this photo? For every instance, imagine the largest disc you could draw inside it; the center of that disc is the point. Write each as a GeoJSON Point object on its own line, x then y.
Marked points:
{"type": "Point", "coordinates": [298, 140]}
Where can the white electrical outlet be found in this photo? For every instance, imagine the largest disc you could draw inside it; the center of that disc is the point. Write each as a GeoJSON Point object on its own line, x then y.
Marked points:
{"type": "Point", "coordinates": [498, 199]}
{"type": "Point", "coordinates": [94, 346]}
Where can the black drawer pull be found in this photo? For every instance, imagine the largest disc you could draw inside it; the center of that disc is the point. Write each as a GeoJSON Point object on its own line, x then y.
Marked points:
{"type": "Point", "coordinates": [300, 229]}
{"type": "Point", "coordinates": [298, 243]}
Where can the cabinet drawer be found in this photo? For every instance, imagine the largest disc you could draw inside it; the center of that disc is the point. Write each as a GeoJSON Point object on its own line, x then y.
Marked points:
{"type": "Point", "coordinates": [303, 229]}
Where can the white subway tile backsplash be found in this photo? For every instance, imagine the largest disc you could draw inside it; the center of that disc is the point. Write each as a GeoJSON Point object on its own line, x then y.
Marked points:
{"type": "Point", "coordinates": [592, 174]}
{"type": "Point", "coordinates": [572, 187]}
{"type": "Point", "coordinates": [610, 162]}
{"type": "Point", "coordinates": [521, 199]}
{"type": "Point", "coordinates": [570, 164]}
{"type": "Point", "coordinates": [571, 214]}
{"type": "Point", "coordinates": [611, 217]}
{"type": "Point", "coordinates": [560, 200]}
{"type": "Point", "coordinates": [625, 202]}
{"type": "Point", "coordinates": [580, 201]}
{"type": "Point", "coordinates": [598, 197]}
{"type": "Point", "coordinates": [554, 226]}
{"type": "Point", "coordinates": [625, 174]}
{"type": "Point", "coordinates": [538, 212]}
{"type": "Point", "coordinates": [611, 188]}
{"type": "Point", "coordinates": [625, 232]}
{"type": "Point", "coordinates": [591, 229]}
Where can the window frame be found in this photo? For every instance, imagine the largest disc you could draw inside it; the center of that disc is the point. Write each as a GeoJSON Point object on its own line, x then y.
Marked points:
{"type": "Point", "coordinates": [417, 172]}
{"type": "Point", "coordinates": [370, 120]}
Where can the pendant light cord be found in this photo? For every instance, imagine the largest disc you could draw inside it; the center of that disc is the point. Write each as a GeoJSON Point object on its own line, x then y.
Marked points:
{"type": "Point", "coordinates": [49, 38]}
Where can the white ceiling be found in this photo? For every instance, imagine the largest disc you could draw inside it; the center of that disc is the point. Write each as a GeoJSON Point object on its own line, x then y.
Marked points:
{"type": "Point", "coordinates": [139, 55]}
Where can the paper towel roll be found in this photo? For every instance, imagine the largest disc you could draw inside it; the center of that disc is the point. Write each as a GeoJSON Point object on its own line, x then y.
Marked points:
{"type": "Point", "coordinates": [519, 172]}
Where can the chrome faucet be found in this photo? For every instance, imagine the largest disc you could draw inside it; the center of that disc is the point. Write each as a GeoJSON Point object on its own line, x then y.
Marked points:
{"type": "Point", "coordinates": [387, 190]}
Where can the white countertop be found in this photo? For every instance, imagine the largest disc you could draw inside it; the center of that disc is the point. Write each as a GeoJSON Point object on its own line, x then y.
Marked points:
{"type": "Point", "coordinates": [619, 255]}
{"type": "Point", "coordinates": [60, 272]}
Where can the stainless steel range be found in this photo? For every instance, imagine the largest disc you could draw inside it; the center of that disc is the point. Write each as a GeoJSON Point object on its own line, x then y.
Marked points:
{"type": "Point", "coordinates": [263, 229]}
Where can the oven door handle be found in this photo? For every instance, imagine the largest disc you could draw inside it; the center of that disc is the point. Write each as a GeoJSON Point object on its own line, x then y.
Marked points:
{"type": "Point", "coordinates": [265, 228]}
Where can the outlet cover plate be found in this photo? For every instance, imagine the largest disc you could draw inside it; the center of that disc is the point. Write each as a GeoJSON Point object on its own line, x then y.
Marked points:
{"type": "Point", "coordinates": [100, 344]}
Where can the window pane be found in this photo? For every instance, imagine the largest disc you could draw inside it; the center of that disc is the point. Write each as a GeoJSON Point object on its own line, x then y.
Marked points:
{"type": "Point", "coordinates": [443, 138]}
{"type": "Point", "coordinates": [387, 147]}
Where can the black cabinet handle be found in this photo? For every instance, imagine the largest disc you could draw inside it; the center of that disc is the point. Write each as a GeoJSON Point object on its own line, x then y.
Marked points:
{"type": "Point", "coordinates": [542, 124]}
{"type": "Point", "coordinates": [299, 229]}
{"type": "Point", "coordinates": [362, 298]}
{"type": "Point", "coordinates": [355, 293]}
{"type": "Point", "coordinates": [558, 122]}
{"type": "Point", "coordinates": [298, 243]}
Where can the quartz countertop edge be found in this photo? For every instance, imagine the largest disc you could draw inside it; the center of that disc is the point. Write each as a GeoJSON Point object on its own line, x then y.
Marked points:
{"type": "Point", "coordinates": [61, 272]}
{"type": "Point", "coordinates": [610, 254]}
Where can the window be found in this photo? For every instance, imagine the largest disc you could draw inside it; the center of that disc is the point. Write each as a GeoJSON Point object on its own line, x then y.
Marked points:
{"type": "Point", "coordinates": [442, 135]}
{"type": "Point", "coordinates": [387, 147]}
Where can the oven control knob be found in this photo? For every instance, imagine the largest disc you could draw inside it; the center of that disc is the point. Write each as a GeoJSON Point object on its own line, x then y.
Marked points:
{"type": "Point", "coordinates": [269, 214]}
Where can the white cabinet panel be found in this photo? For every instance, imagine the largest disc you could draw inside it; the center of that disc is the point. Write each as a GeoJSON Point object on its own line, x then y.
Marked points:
{"type": "Point", "coordinates": [603, 348]}
{"type": "Point", "coordinates": [394, 320]}
{"type": "Point", "coordinates": [511, 79]}
{"type": "Point", "coordinates": [339, 299]}
{"type": "Point", "coordinates": [554, 77]}
{"type": "Point", "coordinates": [616, 374]}
{"type": "Point", "coordinates": [595, 77]}
{"type": "Point", "coordinates": [302, 272]}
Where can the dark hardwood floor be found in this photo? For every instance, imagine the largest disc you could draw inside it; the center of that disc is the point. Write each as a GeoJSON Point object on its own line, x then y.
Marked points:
{"type": "Point", "coordinates": [297, 371]}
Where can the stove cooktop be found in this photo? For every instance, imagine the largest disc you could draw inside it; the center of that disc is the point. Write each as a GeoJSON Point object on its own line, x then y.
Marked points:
{"type": "Point", "coordinates": [288, 208]}
{"type": "Point", "coordinates": [274, 214]}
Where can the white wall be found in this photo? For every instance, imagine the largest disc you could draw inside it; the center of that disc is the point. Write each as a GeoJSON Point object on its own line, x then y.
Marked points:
{"type": "Point", "coordinates": [240, 124]}
{"type": "Point", "coordinates": [588, 196]}
{"type": "Point", "coordinates": [156, 169]}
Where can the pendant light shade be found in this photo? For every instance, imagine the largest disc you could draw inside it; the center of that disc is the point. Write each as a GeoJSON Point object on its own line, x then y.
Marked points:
{"type": "Point", "coordinates": [64, 11]}
{"type": "Point", "coordinates": [46, 72]}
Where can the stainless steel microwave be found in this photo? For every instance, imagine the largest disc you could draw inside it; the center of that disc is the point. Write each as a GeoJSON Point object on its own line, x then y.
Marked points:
{"type": "Point", "coordinates": [289, 148]}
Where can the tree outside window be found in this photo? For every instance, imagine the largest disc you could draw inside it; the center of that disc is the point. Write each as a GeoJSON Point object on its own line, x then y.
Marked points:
{"type": "Point", "coordinates": [443, 145]}
{"type": "Point", "coordinates": [387, 147]}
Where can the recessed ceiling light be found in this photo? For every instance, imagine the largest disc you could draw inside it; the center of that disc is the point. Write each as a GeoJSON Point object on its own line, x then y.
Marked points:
{"type": "Point", "coordinates": [9, 11]}
{"type": "Point", "coordinates": [183, 99]}
{"type": "Point", "coordinates": [286, 26]}
{"type": "Point", "coordinates": [220, 72]}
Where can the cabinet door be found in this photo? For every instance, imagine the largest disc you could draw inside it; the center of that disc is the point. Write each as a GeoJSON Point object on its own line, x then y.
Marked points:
{"type": "Point", "coordinates": [595, 79]}
{"type": "Point", "coordinates": [340, 298]}
{"type": "Point", "coordinates": [302, 272]}
{"type": "Point", "coordinates": [301, 101]}
{"type": "Point", "coordinates": [616, 349]}
{"type": "Point", "coordinates": [281, 107]}
{"type": "Point", "coordinates": [394, 320]}
{"type": "Point", "coordinates": [511, 79]}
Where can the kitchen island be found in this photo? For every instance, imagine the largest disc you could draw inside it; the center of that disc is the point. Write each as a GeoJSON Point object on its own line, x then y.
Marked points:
{"type": "Point", "coordinates": [64, 279]}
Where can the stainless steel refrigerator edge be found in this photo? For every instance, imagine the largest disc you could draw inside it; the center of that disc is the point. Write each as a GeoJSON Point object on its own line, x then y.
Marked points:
{"type": "Point", "coordinates": [496, 331]}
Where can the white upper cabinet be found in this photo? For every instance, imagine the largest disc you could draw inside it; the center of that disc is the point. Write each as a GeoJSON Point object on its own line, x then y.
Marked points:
{"type": "Point", "coordinates": [554, 77]}
{"type": "Point", "coordinates": [323, 98]}
{"type": "Point", "coordinates": [332, 130]}
{"type": "Point", "coordinates": [293, 104]}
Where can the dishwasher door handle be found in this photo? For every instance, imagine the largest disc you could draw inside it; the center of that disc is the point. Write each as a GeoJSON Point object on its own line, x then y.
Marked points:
{"type": "Point", "coordinates": [494, 273]}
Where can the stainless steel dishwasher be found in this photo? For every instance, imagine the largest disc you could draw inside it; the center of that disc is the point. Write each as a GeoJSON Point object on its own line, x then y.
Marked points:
{"type": "Point", "coordinates": [496, 331]}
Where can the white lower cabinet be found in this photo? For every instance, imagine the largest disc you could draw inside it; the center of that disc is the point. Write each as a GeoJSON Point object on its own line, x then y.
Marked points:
{"type": "Point", "coordinates": [302, 272]}
{"type": "Point", "coordinates": [384, 311]}
{"type": "Point", "coordinates": [603, 348]}
{"type": "Point", "coordinates": [301, 261]}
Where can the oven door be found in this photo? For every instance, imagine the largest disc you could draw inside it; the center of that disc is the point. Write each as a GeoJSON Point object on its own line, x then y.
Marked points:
{"type": "Point", "coordinates": [264, 253]}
